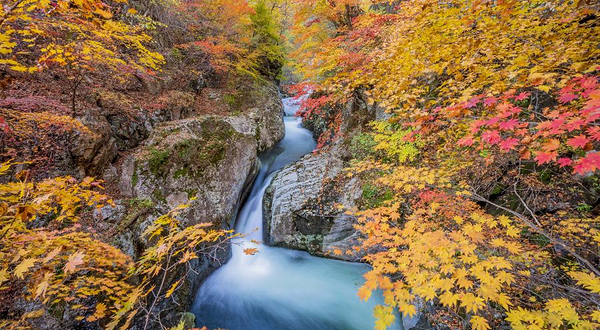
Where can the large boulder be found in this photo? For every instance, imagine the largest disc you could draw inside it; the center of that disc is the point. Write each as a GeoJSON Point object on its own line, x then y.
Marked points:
{"type": "Point", "coordinates": [267, 114]}
{"type": "Point", "coordinates": [95, 148]}
{"type": "Point", "coordinates": [302, 203]}
{"type": "Point", "coordinates": [208, 162]}
{"type": "Point", "coordinates": [300, 207]}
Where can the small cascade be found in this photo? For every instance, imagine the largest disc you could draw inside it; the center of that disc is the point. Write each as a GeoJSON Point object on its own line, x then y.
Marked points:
{"type": "Point", "coordinates": [277, 288]}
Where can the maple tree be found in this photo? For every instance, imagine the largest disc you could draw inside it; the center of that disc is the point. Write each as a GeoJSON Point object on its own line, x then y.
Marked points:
{"type": "Point", "coordinates": [239, 37]}
{"type": "Point", "coordinates": [60, 264]}
{"type": "Point", "coordinates": [76, 37]}
{"type": "Point", "coordinates": [490, 145]}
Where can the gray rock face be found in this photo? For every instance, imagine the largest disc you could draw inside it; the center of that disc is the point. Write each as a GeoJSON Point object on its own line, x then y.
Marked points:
{"type": "Point", "coordinates": [289, 190]}
{"type": "Point", "coordinates": [293, 218]}
{"type": "Point", "coordinates": [92, 151]}
{"type": "Point", "coordinates": [268, 118]}
{"type": "Point", "coordinates": [209, 158]}
{"type": "Point", "coordinates": [300, 203]}
{"type": "Point", "coordinates": [208, 162]}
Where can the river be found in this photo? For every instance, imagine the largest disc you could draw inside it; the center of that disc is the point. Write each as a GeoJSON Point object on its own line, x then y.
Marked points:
{"type": "Point", "coordinates": [281, 289]}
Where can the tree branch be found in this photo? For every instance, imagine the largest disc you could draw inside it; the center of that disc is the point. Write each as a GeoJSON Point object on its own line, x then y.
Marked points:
{"type": "Point", "coordinates": [539, 230]}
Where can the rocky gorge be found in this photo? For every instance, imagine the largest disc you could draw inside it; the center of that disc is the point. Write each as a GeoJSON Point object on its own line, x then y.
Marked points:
{"type": "Point", "coordinates": [301, 203]}
{"type": "Point", "coordinates": [206, 161]}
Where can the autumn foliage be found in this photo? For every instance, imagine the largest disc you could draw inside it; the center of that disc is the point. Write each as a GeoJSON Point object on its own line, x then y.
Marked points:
{"type": "Point", "coordinates": [488, 157]}
{"type": "Point", "coordinates": [51, 258]}
{"type": "Point", "coordinates": [75, 72]}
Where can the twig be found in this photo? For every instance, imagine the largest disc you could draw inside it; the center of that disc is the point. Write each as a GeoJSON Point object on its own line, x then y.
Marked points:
{"type": "Point", "coordinates": [525, 204]}
{"type": "Point", "coordinates": [539, 230]}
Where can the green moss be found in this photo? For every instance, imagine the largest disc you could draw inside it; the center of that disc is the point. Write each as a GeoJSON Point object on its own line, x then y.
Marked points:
{"type": "Point", "coordinates": [237, 101]}
{"type": "Point", "coordinates": [583, 207]}
{"type": "Point", "coordinates": [374, 196]}
{"type": "Point", "coordinates": [191, 193]}
{"type": "Point", "coordinates": [157, 195]}
{"type": "Point", "coordinates": [362, 146]}
{"type": "Point", "coordinates": [136, 208]}
{"type": "Point", "coordinates": [166, 132]}
{"type": "Point", "coordinates": [182, 172]}
{"type": "Point", "coordinates": [230, 100]}
{"type": "Point", "coordinates": [498, 189]}
{"type": "Point", "coordinates": [193, 157]}
{"type": "Point", "coordinates": [545, 176]}
{"type": "Point", "coordinates": [188, 320]}
{"type": "Point", "coordinates": [158, 160]}
{"type": "Point", "coordinates": [135, 177]}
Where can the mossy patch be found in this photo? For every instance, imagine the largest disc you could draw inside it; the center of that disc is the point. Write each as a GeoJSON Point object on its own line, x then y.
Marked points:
{"type": "Point", "coordinates": [374, 196]}
{"type": "Point", "coordinates": [137, 203]}
{"type": "Point", "coordinates": [191, 193]}
{"type": "Point", "coordinates": [158, 195]}
{"type": "Point", "coordinates": [193, 156]}
{"type": "Point", "coordinates": [158, 160]}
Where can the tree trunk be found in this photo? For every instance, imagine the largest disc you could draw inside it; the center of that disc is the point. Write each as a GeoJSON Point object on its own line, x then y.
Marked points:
{"type": "Point", "coordinates": [74, 88]}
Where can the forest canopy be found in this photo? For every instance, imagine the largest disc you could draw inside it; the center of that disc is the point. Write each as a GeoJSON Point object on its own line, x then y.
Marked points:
{"type": "Point", "coordinates": [485, 157]}
{"type": "Point", "coordinates": [481, 163]}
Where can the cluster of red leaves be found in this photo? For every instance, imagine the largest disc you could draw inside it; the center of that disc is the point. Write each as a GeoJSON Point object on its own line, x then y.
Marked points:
{"type": "Point", "coordinates": [314, 106]}
{"type": "Point", "coordinates": [301, 89]}
{"type": "Point", "coordinates": [566, 134]}
{"type": "Point", "coordinates": [331, 133]}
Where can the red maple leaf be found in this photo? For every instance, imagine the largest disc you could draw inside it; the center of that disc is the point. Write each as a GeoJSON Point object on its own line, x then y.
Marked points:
{"type": "Point", "coordinates": [508, 125]}
{"type": "Point", "coordinates": [491, 137]}
{"type": "Point", "coordinates": [594, 133]}
{"type": "Point", "coordinates": [492, 121]}
{"type": "Point", "coordinates": [574, 124]}
{"type": "Point", "coordinates": [578, 142]}
{"type": "Point", "coordinates": [564, 161]}
{"type": "Point", "coordinates": [508, 144]}
{"type": "Point", "coordinates": [476, 125]}
{"type": "Point", "coordinates": [522, 96]}
{"type": "Point", "coordinates": [467, 141]}
{"type": "Point", "coordinates": [473, 102]}
{"type": "Point", "coordinates": [490, 100]}
{"type": "Point", "coordinates": [589, 82]}
{"type": "Point", "coordinates": [543, 157]}
{"type": "Point", "coordinates": [4, 125]}
{"type": "Point", "coordinates": [590, 163]}
{"type": "Point", "coordinates": [567, 97]}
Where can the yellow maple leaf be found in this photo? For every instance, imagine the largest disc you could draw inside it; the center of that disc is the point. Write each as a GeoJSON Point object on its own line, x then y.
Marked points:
{"type": "Point", "coordinates": [251, 251]}
{"type": "Point", "coordinates": [407, 309]}
{"type": "Point", "coordinates": [23, 267]}
{"type": "Point", "coordinates": [41, 289]}
{"type": "Point", "coordinates": [384, 317]}
{"type": "Point", "coordinates": [364, 293]}
{"type": "Point", "coordinates": [587, 280]}
{"type": "Point", "coordinates": [3, 276]}
{"type": "Point", "coordinates": [172, 289]}
{"type": "Point", "coordinates": [75, 260]}
{"type": "Point", "coordinates": [448, 299]}
{"type": "Point", "coordinates": [479, 323]}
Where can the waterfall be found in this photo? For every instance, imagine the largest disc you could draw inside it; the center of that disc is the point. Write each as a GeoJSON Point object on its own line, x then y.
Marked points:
{"type": "Point", "coordinates": [277, 288]}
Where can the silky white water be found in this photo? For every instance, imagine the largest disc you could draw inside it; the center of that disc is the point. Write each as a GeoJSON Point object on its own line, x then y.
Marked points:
{"type": "Point", "coordinates": [278, 288]}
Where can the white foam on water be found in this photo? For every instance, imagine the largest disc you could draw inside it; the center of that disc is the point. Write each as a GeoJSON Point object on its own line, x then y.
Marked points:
{"type": "Point", "coordinates": [278, 288]}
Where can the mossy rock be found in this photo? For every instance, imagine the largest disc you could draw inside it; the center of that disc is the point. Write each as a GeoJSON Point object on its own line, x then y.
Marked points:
{"type": "Point", "coordinates": [174, 151]}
